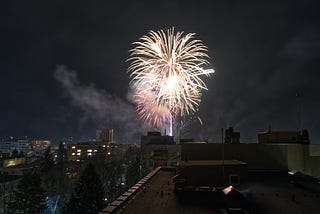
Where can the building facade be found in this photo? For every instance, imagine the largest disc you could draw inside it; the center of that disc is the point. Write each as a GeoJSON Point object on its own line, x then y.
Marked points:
{"type": "Point", "coordinates": [261, 157]}
{"type": "Point", "coordinates": [231, 136]}
{"type": "Point", "coordinates": [11, 144]}
{"type": "Point", "coordinates": [288, 137]}
{"type": "Point", "coordinates": [158, 150]}
{"type": "Point", "coordinates": [208, 174]}
{"type": "Point", "coordinates": [84, 150]}
{"type": "Point", "coordinates": [104, 135]}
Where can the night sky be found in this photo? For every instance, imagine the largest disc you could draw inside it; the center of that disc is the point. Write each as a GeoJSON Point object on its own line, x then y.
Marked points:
{"type": "Point", "coordinates": [63, 65]}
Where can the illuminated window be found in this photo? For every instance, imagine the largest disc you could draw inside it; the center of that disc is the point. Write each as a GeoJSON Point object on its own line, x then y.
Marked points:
{"type": "Point", "coordinates": [73, 153]}
{"type": "Point", "coordinates": [104, 146]}
{"type": "Point", "coordinates": [73, 147]}
{"type": "Point", "coordinates": [89, 153]}
{"type": "Point", "coordinates": [89, 150]}
{"type": "Point", "coordinates": [78, 150]}
{"type": "Point", "coordinates": [78, 153]}
{"type": "Point", "coordinates": [109, 153]}
{"type": "Point", "coordinates": [95, 150]}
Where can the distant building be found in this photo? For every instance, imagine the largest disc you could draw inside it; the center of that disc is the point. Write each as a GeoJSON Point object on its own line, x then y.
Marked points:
{"type": "Point", "coordinates": [287, 137]}
{"type": "Point", "coordinates": [157, 150]}
{"type": "Point", "coordinates": [104, 135]}
{"type": "Point", "coordinates": [4, 155]}
{"type": "Point", "coordinates": [85, 150]}
{"type": "Point", "coordinates": [67, 140]}
{"type": "Point", "coordinates": [14, 162]}
{"type": "Point", "coordinates": [25, 146]}
{"type": "Point", "coordinates": [157, 138]}
{"type": "Point", "coordinates": [11, 144]}
{"type": "Point", "coordinates": [231, 136]}
{"type": "Point", "coordinates": [38, 147]}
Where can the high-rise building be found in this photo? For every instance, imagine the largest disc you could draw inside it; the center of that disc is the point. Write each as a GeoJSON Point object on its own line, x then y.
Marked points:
{"type": "Point", "coordinates": [104, 135]}
{"type": "Point", "coordinates": [231, 136]}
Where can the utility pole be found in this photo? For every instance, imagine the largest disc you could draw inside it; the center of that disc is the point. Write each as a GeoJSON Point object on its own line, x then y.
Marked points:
{"type": "Point", "coordinates": [298, 95]}
{"type": "Point", "coordinates": [223, 179]}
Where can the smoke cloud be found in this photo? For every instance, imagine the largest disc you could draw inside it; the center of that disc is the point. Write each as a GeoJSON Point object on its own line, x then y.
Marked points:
{"type": "Point", "coordinates": [251, 100]}
{"type": "Point", "coordinates": [99, 108]}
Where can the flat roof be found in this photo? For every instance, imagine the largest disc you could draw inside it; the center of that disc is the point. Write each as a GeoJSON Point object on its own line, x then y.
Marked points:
{"type": "Point", "coordinates": [151, 200]}
{"type": "Point", "coordinates": [211, 162]}
{"type": "Point", "coordinates": [270, 196]}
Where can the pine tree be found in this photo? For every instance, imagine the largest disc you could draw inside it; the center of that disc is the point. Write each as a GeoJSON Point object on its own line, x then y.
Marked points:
{"type": "Point", "coordinates": [88, 193]}
{"type": "Point", "coordinates": [15, 153]}
{"type": "Point", "coordinates": [47, 162]}
{"type": "Point", "coordinates": [29, 197]}
{"type": "Point", "coordinates": [21, 154]}
{"type": "Point", "coordinates": [61, 155]}
{"type": "Point", "coordinates": [57, 186]}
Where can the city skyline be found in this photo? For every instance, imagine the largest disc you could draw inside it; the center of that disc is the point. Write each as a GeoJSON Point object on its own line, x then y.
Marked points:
{"type": "Point", "coordinates": [64, 66]}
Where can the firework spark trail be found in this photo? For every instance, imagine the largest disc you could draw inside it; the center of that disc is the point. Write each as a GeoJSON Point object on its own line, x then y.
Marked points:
{"type": "Point", "coordinates": [152, 114]}
{"type": "Point", "coordinates": [165, 73]}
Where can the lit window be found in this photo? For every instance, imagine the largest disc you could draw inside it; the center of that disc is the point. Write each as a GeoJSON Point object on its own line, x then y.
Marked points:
{"type": "Point", "coordinates": [89, 150]}
{"type": "Point", "coordinates": [95, 150]}
{"type": "Point", "coordinates": [78, 150]}
{"type": "Point", "coordinates": [104, 146]}
{"type": "Point", "coordinates": [109, 153]}
{"type": "Point", "coordinates": [73, 147]}
{"type": "Point", "coordinates": [78, 160]}
{"type": "Point", "coordinates": [78, 153]}
{"type": "Point", "coordinates": [73, 153]}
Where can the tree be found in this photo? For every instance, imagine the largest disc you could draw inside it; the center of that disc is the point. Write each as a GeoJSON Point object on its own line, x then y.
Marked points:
{"type": "Point", "coordinates": [88, 193]}
{"type": "Point", "coordinates": [57, 186]}
{"type": "Point", "coordinates": [47, 162]}
{"type": "Point", "coordinates": [61, 155]}
{"type": "Point", "coordinates": [21, 154]}
{"type": "Point", "coordinates": [133, 171]}
{"type": "Point", "coordinates": [14, 153]}
{"type": "Point", "coordinates": [110, 172]}
{"type": "Point", "coordinates": [29, 197]}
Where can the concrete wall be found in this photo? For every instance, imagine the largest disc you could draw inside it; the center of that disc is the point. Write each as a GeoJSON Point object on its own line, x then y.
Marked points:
{"type": "Point", "coordinates": [258, 156]}
{"type": "Point", "coordinates": [212, 175]}
{"type": "Point", "coordinates": [301, 157]}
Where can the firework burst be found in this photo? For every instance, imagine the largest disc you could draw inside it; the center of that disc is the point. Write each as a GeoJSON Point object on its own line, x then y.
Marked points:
{"type": "Point", "coordinates": [165, 75]}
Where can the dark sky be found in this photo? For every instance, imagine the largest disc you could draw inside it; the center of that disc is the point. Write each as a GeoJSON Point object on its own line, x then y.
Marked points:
{"type": "Point", "coordinates": [63, 65]}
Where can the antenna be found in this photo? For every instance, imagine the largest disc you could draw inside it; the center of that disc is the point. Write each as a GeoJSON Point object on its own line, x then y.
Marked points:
{"type": "Point", "coordinates": [299, 106]}
{"type": "Point", "coordinates": [222, 156]}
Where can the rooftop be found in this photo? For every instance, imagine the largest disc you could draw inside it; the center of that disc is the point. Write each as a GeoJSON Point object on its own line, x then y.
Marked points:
{"type": "Point", "coordinates": [159, 197]}
{"type": "Point", "coordinates": [265, 195]}
{"type": "Point", "coordinates": [211, 162]}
